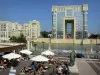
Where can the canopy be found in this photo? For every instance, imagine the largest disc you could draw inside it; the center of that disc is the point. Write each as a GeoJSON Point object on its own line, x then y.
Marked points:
{"type": "Point", "coordinates": [39, 58]}
{"type": "Point", "coordinates": [47, 52]}
{"type": "Point", "coordinates": [28, 52]}
{"type": "Point", "coordinates": [11, 56]}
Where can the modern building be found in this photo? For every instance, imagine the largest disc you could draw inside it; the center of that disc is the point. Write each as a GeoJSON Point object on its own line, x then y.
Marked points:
{"type": "Point", "coordinates": [8, 29]}
{"type": "Point", "coordinates": [70, 22]}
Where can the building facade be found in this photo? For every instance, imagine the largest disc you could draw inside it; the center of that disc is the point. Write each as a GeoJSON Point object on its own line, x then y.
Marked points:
{"type": "Point", "coordinates": [9, 29]}
{"type": "Point", "coordinates": [5, 30]}
{"type": "Point", "coordinates": [34, 29]}
{"type": "Point", "coordinates": [70, 22]}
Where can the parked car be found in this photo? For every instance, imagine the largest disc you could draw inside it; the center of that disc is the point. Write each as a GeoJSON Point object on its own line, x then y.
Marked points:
{"type": "Point", "coordinates": [80, 55]}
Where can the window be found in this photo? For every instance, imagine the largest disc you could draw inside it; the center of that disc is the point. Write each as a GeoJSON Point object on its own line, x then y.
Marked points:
{"type": "Point", "coordinates": [58, 9]}
{"type": "Point", "coordinates": [69, 28]}
{"type": "Point", "coordinates": [69, 12]}
{"type": "Point", "coordinates": [63, 9]}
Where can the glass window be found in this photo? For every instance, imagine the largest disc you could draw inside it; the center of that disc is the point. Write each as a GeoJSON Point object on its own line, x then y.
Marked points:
{"type": "Point", "coordinates": [69, 12]}
{"type": "Point", "coordinates": [69, 28]}
{"type": "Point", "coordinates": [63, 9]}
{"type": "Point", "coordinates": [58, 9]}
{"type": "Point", "coordinates": [54, 18]}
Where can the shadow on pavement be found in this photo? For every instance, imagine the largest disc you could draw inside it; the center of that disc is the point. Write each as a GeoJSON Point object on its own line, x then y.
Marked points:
{"type": "Point", "coordinates": [74, 74]}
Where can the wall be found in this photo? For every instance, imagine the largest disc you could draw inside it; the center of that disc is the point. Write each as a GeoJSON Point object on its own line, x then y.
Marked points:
{"type": "Point", "coordinates": [86, 41]}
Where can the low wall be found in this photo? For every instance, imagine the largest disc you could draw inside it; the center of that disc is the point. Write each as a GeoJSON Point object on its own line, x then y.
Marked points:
{"type": "Point", "coordinates": [79, 41]}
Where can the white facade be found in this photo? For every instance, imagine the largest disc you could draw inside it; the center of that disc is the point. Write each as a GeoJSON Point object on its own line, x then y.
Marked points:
{"type": "Point", "coordinates": [4, 30]}
{"type": "Point", "coordinates": [34, 29]}
{"type": "Point", "coordinates": [8, 29]}
{"type": "Point", "coordinates": [16, 29]}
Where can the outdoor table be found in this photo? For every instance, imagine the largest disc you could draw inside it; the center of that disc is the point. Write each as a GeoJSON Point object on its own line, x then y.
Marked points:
{"type": "Point", "coordinates": [29, 68]}
{"type": "Point", "coordinates": [50, 64]}
{"type": "Point", "coordinates": [44, 70]}
{"type": "Point", "coordinates": [46, 67]}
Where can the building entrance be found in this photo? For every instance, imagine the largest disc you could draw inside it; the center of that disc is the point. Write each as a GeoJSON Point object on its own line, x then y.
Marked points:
{"type": "Point", "coordinates": [69, 29]}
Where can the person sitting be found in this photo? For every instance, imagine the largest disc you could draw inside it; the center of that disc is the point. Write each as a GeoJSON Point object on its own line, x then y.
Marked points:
{"type": "Point", "coordinates": [41, 67]}
{"type": "Point", "coordinates": [60, 70]}
{"type": "Point", "coordinates": [52, 60]}
{"type": "Point", "coordinates": [1, 66]}
{"type": "Point", "coordinates": [22, 72]}
{"type": "Point", "coordinates": [33, 67]}
{"type": "Point", "coordinates": [4, 63]}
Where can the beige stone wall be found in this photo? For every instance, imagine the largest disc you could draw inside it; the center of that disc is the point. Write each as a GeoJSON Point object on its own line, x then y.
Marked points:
{"type": "Point", "coordinates": [86, 41]}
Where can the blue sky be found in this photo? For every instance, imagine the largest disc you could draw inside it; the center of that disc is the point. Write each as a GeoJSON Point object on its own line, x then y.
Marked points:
{"type": "Point", "coordinates": [23, 11]}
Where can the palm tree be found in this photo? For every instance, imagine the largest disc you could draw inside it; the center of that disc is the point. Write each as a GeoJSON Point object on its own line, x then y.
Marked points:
{"type": "Point", "coordinates": [35, 48]}
{"type": "Point", "coordinates": [43, 44]}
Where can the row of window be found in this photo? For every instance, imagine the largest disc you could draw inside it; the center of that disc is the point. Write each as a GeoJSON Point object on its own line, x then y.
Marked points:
{"type": "Point", "coordinates": [62, 9]}
{"type": "Point", "coordinates": [60, 16]}
{"type": "Point", "coordinates": [3, 29]}
{"type": "Point", "coordinates": [54, 20]}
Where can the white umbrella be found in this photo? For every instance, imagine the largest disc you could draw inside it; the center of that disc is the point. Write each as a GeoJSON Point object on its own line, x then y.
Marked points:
{"type": "Point", "coordinates": [28, 52]}
{"type": "Point", "coordinates": [39, 58]}
{"type": "Point", "coordinates": [47, 52]}
{"type": "Point", "coordinates": [11, 56]}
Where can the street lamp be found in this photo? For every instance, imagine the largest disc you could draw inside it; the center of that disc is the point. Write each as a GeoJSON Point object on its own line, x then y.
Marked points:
{"type": "Point", "coordinates": [96, 47]}
{"type": "Point", "coordinates": [91, 45]}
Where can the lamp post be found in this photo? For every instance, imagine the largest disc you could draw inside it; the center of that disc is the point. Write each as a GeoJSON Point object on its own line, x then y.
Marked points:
{"type": "Point", "coordinates": [96, 47]}
{"type": "Point", "coordinates": [91, 46]}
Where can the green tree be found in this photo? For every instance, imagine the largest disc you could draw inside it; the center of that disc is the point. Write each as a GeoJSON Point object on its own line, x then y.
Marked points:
{"type": "Point", "coordinates": [13, 39]}
{"type": "Point", "coordinates": [35, 46]}
{"type": "Point", "coordinates": [43, 44]}
{"type": "Point", "coordinates": [93, 36]}
{"type": "Point", "coordinates": [44, 34]}
{"type": "Point", "coordinates": [21, 39]}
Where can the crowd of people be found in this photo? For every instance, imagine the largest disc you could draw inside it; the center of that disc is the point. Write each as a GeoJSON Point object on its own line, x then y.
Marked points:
{"type": "Point", "coordinates": [39, 68]}
{"type": "Point", "coordinates": [62, 68]}
{"type": "Point", "coordinates": [5, 63]}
